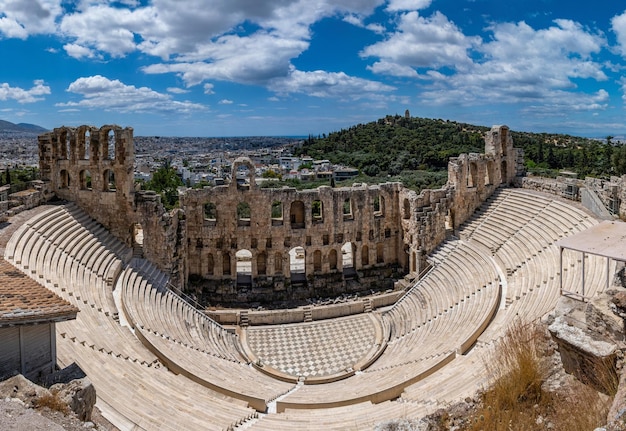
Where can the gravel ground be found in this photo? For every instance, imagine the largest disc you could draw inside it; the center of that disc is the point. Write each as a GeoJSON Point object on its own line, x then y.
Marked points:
{"type": "Point", "coordinates": [15, 416]}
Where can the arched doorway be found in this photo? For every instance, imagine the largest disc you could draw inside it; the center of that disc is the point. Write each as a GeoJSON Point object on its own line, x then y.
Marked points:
{"type": "Point", "coordinates": [297, 265]}
{"type": "Point", "coordinates": [243, 267]}
{"type": "Point", "coordinates": [347, 260]}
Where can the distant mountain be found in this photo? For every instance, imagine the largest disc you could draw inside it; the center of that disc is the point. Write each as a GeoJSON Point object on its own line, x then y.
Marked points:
{"type": "Point", "coordinates": [21, 128]}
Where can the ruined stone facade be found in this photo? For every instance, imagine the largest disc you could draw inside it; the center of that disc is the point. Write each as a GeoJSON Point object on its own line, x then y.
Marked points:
{"type": "Point", "coordinates": [239, 243]}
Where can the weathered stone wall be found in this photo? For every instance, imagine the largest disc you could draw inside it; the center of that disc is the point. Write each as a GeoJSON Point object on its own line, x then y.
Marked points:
{"type": "Point", "coordinates": [94, 168]}
{"type": "Point", "coordinates": [240, 243]}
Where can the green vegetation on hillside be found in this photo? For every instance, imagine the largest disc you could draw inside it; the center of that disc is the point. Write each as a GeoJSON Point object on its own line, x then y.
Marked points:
{"type": "Point", "coordinates": [402, 148]}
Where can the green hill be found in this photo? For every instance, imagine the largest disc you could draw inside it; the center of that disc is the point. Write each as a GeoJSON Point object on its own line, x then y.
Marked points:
{"type": "Point", "coordinates": [401, 148]}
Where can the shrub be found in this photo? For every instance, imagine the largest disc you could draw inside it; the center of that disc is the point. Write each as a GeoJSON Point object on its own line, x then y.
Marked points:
{"type": "Point", "coordinates": [52, 401]}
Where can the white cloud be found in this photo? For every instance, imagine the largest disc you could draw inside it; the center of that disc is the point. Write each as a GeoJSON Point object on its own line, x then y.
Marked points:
{"type": "Point", "coordinates": [618, 25]}
{"type": "Point", "coordinates": [78, 51]}
{"type": "Point", "coordinates": [99, 92]}
{"type": "Point", "coordinates": [407, 5]}
{"type": "Point", "coordinates": [518, 64]}
{"type": "Point", "coordinates": [421, 42]}
{"type": "Point", "coordinates": [176, 90]}
{"type": "Point", "coordinates": [357, 21]}
{"type": "Point", "coordinates": [208, 88]}
{"type": "Point", "coordinates": [110, 30]}
{"type": "Point", "coordinates": [20, 95]}
{"type": "Point", "coordinates": [225, 102]}
{"type": "Point", "coordinates": [320, 83]}
{"type": "Point", "coordinates": [21, 18]}
{"type": "Point", "coordinates": [247, 60]}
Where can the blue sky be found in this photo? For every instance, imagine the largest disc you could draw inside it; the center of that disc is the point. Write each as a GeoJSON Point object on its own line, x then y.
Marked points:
{"type": "Point", "coordinates": [298, 67]}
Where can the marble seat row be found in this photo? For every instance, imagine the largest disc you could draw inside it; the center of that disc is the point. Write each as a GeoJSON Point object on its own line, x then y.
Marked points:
{"type": "Point", "coordinates": [152, 398]}
{"type": "Point", "coordinates": [160, 310]}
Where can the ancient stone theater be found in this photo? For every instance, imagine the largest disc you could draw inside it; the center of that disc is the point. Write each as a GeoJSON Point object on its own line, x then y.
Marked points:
{"type": "Point", "coordinates": [434, 278]}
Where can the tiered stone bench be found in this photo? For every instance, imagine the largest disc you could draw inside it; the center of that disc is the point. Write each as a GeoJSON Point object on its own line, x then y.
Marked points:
{"type": "Point", "coordinates": [181, 370]}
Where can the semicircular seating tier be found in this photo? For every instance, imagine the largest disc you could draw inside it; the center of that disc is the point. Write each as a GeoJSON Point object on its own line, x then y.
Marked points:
{"type": "Point", "coordinates": [427, 350]}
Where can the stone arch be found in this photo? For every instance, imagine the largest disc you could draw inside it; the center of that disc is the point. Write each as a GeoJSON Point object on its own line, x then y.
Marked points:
{"type": "Point", "coordinates": [365, 255]}
{"type": "Point", "coordinates": [380, 253]}
{"type": "Point", "coordinates": [449, 221]}
{"type": "Point", "coordinates": [347, 255]}
{"type": "Point", "coordinates": [503, 170]}
{"type": "Point", "coordinates": [379, 205]}
{"type": "Point", "coordinates": [210, 211]}
{"type": "Point", "coordinates": [297, 263]}
{"type": "Point", "coordinates": [472, 174]}
{"type": "Point", "coordinates": [243, 173]}
{"type": "Point", "coordinates": [489, 172]}
{"type": "Point", "coordinates": [317, 260]}
{"type": "Point", "coordinates": [64, 147]}
{"type": "Point", "coordinates": [243, 267]}
{"type": "Point", "coordinates": [406, 209]}
{"type": "Point", "coordinates": [210, 261]}
{"type": "Point", "coordinates": [137, 237]}
{"type": "Point", "coordinates": [83, 143]}
{"type": "Point", "coordinates": [317, 211]}
{"type": "Point", "coordinates": [243, 214]}
{"type": "Point", "coordinates": [277, 213]}
{"type": "Point", "coordinates": [107, 142]}
{"type": "Point", "coordinates": [85, 180]}
{"type": "Point", "coordinates": [278, 263]}
{"type": "Point", "coordinates": [64, 179]}
{"type": "Point", "coordinates": [108, 181]}
{"type": "Point", "coordinates": [347, 209]}
{"type": "Point", "coordinates": [296, 215]}
{"type": "Point", "coordinates": [261, 264]}
{"type": "Point", "coordinates": [332, 259]}
{"type": "Point", "coordinates": [225, 263]}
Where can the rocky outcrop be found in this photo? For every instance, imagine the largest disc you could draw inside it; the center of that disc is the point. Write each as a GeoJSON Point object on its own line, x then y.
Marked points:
{"type": "Point", "coordinates": [79, 395]}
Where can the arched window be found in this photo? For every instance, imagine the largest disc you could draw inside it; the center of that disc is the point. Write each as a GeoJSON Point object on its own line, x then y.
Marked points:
{"type": "Point", "coordinates": [210, 264]}
{"type": "Point", "coordinates": [64, 179]}
{"type": "Point", "coordinates": [83, 143]}
{"type": "Point", "coordinates": [347, 254]}
{"type": "Point", "coordinates": [317, 260]}
{"type": "Point", "coordinates": [297, 265]}
{"type": "Point", "coordinates": [107, 144]}
{"type": "Point", "coordinates": [138, 234]}
{"type": "Point", "coordinates": [317, 213]}
{"type": "Point", "coordinates": [277, 213]}
{"type": "Point", "coordinates": [85, 179]}
{"type": "Point", "coordinates": [347, 209]}
{"type": "Point", "coordinates": [243, 214]}
{"type": "Point", "coordinates": [108, 181]}
{"type": "Point", "coordinates": [379, 206]}
{"type": "Point", "coordinates": [278, 263]}
{"type": "Point", "coordinates": [365, 255]}
{"type": "Point", "coordinates": [225, 263]}
{"type": "Point", "coordinates": [380, 253]}
{"type": "Point", "coordinates": [65, 148]}
{"type": "Point", "coordinates": [261, 264]}
{"type": "Point", "coordinates": [296, 215]}
{"type": "Point", "coordinates": [243, 266]}
{"type": "Point", "coordinates": [406, 209]}
{"type": "Point", "coordinates": [332, 259]}
{"type": "Point", "coordinates": [210, 211]}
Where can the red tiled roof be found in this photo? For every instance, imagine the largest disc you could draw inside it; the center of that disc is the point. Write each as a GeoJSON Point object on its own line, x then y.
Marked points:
{"type": "Point", "coordinates": [23, 300]}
